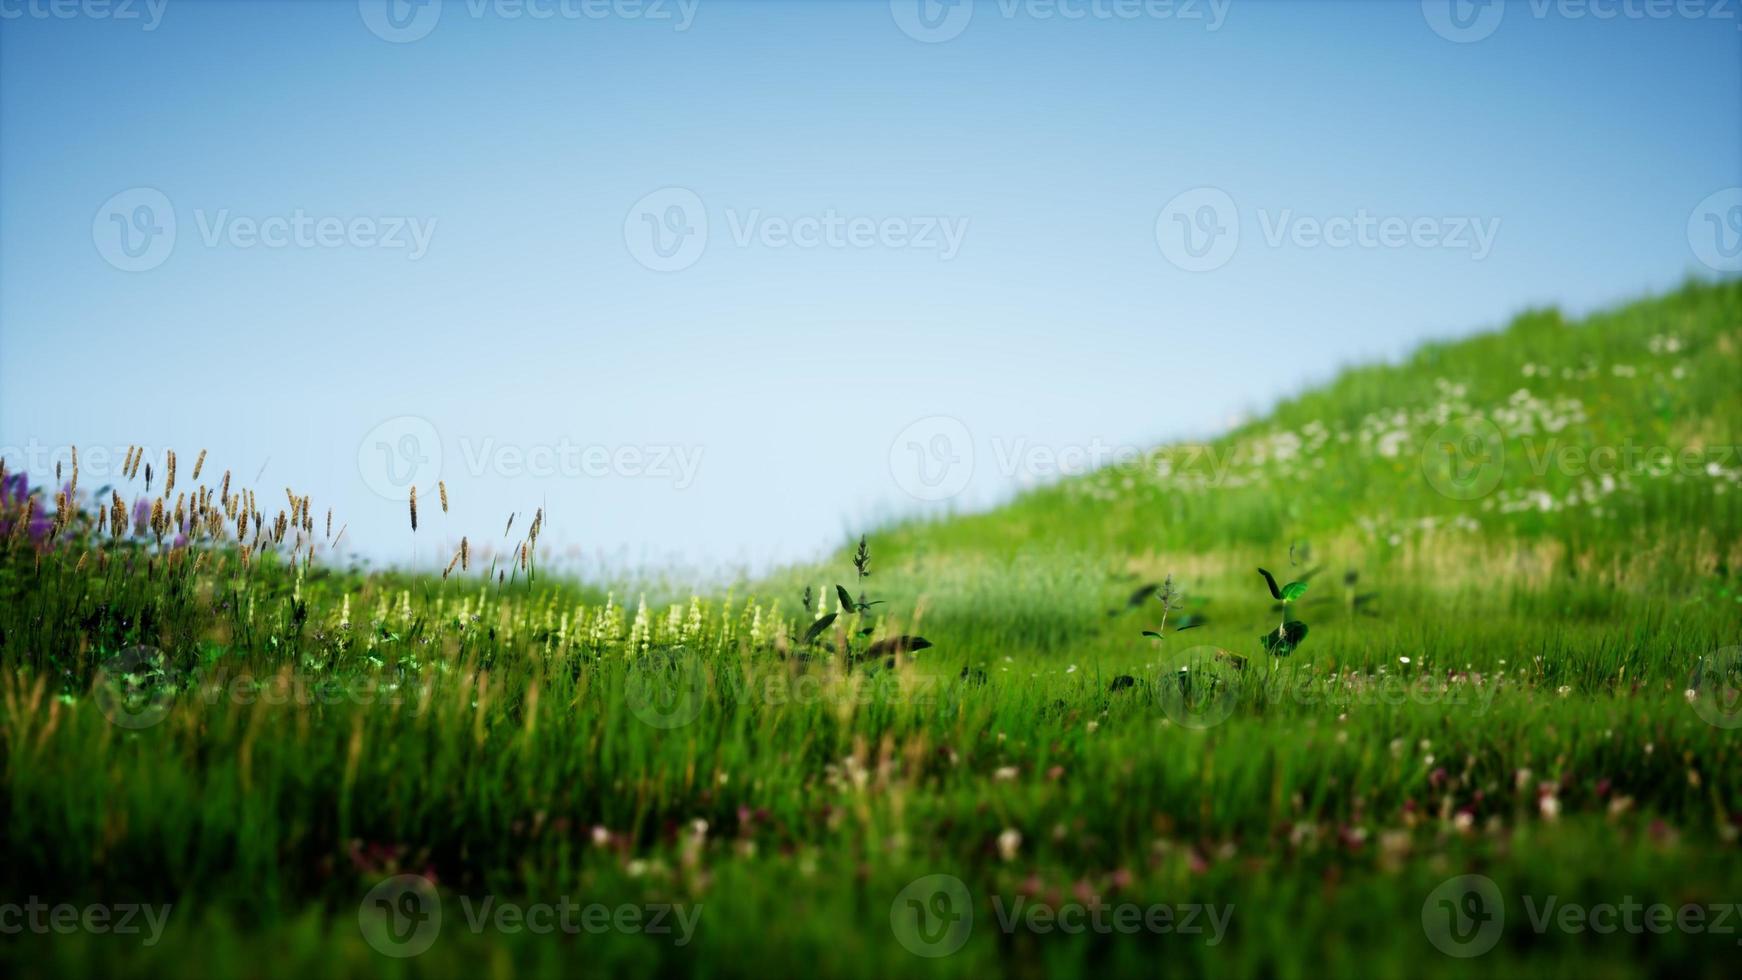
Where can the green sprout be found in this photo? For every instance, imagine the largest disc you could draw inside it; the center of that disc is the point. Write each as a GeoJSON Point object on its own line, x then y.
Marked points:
{"type": "Point", "coordinates": [1287, 636]}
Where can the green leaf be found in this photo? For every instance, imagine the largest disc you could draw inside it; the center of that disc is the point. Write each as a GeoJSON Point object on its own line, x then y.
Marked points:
{"type": "Point", "coordinates": [816, 630]}
{"type": "Point", "coordinates": [847, 603]}
{"type": "Point", "coordinates": [898, 644]}
{"type": "Point", "coordinates": [1152, 633]}
{"type": "Point", "coordinates": [1270, 580]}
{"type": "Point", "coordinates": [1284, 640]}
{"type": "Point", "coordinates": [1293, 591]}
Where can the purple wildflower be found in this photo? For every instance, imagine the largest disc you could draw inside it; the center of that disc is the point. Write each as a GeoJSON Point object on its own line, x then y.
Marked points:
{"type": "Point", "coordinates": [13, 490]}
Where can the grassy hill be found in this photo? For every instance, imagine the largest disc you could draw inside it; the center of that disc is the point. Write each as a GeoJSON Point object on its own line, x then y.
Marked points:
{"type": "Point", "coordinates": [1346, 461]}
{"type": "Point", "coordinates": [1510, 668]}
{"type": "Point", "coordinates": [1589, 464]}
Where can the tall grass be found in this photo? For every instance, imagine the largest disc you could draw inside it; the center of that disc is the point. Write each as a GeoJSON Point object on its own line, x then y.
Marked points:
{"type": "Point", "coordinates": [197, 708]}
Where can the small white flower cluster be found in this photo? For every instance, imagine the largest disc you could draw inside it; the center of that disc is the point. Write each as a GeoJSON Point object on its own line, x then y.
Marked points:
{"type": "Point", "coordinates": [1550, 423]}
{"type": "Point", "coordinates": [1524, 414]}
{"type": "Point", "coordinates": [1662, 344]}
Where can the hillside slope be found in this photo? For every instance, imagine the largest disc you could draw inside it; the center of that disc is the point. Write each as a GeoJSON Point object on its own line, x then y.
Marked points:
{"type": "Point", "coordinates": [1550, 468]}
{"type": "Point", "coordinates": [1601, 433]}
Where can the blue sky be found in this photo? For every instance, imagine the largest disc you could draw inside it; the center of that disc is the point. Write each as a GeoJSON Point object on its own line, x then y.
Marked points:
{"type": "Point", "coordinates": [888, 267]}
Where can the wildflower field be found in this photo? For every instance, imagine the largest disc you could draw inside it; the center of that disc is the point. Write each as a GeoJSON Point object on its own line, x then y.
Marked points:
{"type": "Point", "coordinates": [1477, 716]}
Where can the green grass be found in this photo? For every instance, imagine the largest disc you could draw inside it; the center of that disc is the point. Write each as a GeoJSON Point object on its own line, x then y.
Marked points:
{"type": "Point", "coordinates": [319, 729]}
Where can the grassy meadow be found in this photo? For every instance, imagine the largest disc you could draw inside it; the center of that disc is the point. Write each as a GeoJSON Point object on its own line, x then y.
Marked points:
{"type": "Point", "coordinates": [1502, 641]}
